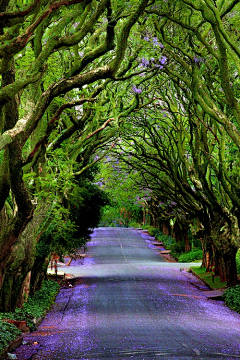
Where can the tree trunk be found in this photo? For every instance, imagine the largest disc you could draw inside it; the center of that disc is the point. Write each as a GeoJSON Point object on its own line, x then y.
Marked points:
{"type": "Point", "coordinates": [225, 238]}
{"type": "Point", "coordinates": [39, 273]}
{"type": "Point", "coordinates": [165, 228]}
{"type": "Point", "coordinates": [218, 262]}
{"type": "Point", "coordinates": [13, 289]}
{"type": "Point", "coordinates": [13, 165]}
{"type": "Point", "coordinates": [230, 265]}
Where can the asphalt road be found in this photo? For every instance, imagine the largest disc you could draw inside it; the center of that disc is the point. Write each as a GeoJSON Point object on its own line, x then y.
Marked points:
{"type": "Point", "coordinates": [133, 304]}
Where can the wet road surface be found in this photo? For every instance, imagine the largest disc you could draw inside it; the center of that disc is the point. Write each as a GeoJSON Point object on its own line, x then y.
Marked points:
{"type": "Point", "coordinates": [132, 304]}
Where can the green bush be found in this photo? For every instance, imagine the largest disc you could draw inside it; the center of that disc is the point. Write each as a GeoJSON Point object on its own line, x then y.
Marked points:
{"type": "Point", "coordinates": [165, 239]}
{"type": "Point", "coordinates": [134, 224]}
{"type": "Point", "coordinates": [151, 230]}
{"type": "Point", "coordinates": [232, 298]}
{"type": "Point", "coordinates": [191, 256]}
{"type": "Point", "coordinates": [36, 306]}
{"type": "Point", "coordinates": [8, 332]}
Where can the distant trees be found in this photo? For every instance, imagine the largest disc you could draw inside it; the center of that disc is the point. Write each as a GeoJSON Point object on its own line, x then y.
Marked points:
{"type": "Point", "coordinates": [186, 142]}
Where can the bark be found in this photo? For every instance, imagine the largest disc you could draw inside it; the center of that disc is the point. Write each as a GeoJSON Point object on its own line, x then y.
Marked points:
{"type": "Point", "coordinates": [14, 275]}
{"type": "Point", "coordinates": [20, 261]}
{"type": "Point", "coordinates": [39, 273]}
{"type": "Point", "coordinates": [207, 251]}
{"type": "Point", "coordinates": [230, 264]}
{"type": "Point", "coordinates": [13, 166]}
{"type": "Point", "coordinates": [165, 228]}
{"type": "Point", "coordinates": [225, 239]}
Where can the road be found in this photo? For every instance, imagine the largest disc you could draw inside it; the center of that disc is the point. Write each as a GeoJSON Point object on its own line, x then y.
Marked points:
{"type": "Point", "coordinates": [133, 304]}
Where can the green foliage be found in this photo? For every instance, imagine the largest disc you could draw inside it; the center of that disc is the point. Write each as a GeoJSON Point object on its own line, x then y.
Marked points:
{"type": "Point", "coordinates": [86, 204]}
{"type": "Point", "coordinates": [191, 256]}
{"type": "Point", "coordinates": [151, 229]}
{"type": "Point", "coordinates": [135, 225]}
{"type": "Point", "coordinates": [72, 220]}
{"type": "Point", "coordinates": [207, 278]}
{"type": "Point", "coordinates": [34, 308]}
{"type": "Point", "coordinates": [238, 261]}
{"type": "Point", "coordinates": [232, 298]}
{"type": "Point", "coordinates": [8, 332]}
{"type": "Point", "coordinates": [38, 304]}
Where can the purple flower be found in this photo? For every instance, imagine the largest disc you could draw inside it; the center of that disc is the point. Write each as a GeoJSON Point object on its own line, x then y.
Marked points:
{"type": "Point", "coordinates": [161, 46]}
{"type": "Point", "coordinates": [99, 183]}
{"type": "Point", "coordinates": [136, 90]}
{"type": "Point", "coordinates": [198, 59]}
{"type": "Point", "coordinates": [146, 38]}
{"type": "Point", "coordinates": [144, 62]}
{"type": "Point", "coordinates": [163, 60]}
{"type": "Point", "coordinates": [155, 41]}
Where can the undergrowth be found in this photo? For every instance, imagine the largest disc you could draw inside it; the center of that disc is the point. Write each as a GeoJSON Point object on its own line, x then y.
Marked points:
{"type": "Point", "coordinates": [207, 277]}
{"type": "Point", "coordinates": [8, 332]}
{"type": "Point", "coordinates": [232, 298]}
{"type": "Point", "coordinates": [36, 307]}
{"type": "Point", "coordinates": [193, 255]}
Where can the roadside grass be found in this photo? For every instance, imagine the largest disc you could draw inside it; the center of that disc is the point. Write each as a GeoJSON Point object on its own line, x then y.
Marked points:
{"type": "Point", "coordinates": [207, 278]}
{"type": "Point", "coordinates": [35, 308]}
{"type": "Point", "coordinates": [231, 296]}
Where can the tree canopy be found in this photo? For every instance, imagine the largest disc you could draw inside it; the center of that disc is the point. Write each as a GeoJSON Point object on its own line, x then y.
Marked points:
{"type": "Point", "coordinates": [153, 84]}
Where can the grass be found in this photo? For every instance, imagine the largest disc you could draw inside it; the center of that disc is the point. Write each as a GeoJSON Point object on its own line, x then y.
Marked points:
{"type": "Point", "coordinates": [207, 278]}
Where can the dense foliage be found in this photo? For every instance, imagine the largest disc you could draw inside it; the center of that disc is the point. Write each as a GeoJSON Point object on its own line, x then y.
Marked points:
{"type": "Point", "coordinates": [151, 89]}
{"type": "Point", "coordinates": [36, 307]}
{"type": "Point", "coordinates": [232, 298]}
{"type": "Point", "coordinates": [8, 332]}
{"type": "Point", "coordinates": [60, 64]}
{"type": "Point", "coordinates": [191, 256]}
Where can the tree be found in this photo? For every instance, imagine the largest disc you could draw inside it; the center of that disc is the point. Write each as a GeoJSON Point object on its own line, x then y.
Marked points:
{"type": "Point", "coordinates": [57, 59]}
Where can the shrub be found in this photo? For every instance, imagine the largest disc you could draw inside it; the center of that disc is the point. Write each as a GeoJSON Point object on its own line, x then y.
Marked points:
{"type": "Point", "coordinates": [151, 230]}
{"type": "Point", "coordinates": [8, 332]}
{"type": "Point", "coordinates": [134, 224]}
{"type": "Point", "coordinates": [191, 256]}
{"type": "Point", "coordinates": [232, 298]}
{"type": "Point", "coordinates": [36, 306]}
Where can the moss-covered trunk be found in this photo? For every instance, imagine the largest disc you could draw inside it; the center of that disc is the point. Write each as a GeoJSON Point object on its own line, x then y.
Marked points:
{"type": "Point", "coordinates": [14, 287]}
{"type": "Point", "coordinates": [39, 272]}
{"type": "Point", "coordinates": [225, 239]}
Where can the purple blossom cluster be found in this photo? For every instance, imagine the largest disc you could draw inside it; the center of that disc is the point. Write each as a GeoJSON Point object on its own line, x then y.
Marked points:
{"type": "Point", "coordinates": [99, 183]}
{"type": "Point", "coordinates": [154, 40]}
{"type": "Point", "coordinates": [145, 62]}
{"type": "Point", "coordinates": [136, 90]}
{"type": "Point", "coordinates": [157, 63]}
{"type": "Point", "coordinates": [156, 43]}
{"type": "Point", "coordinates": [198, 59]}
